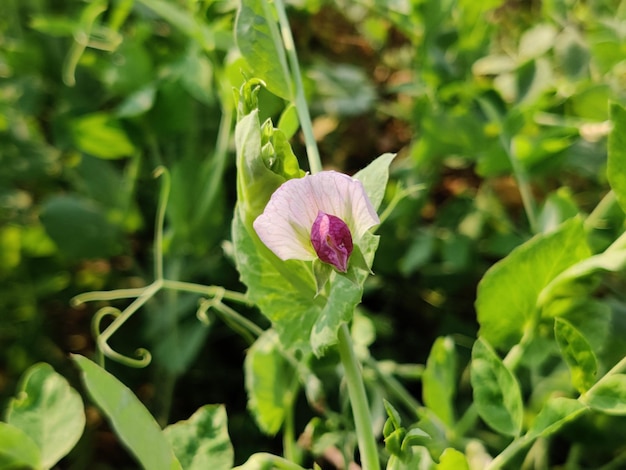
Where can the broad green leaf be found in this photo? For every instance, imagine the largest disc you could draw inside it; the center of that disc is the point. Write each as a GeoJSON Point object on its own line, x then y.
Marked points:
{"type": "Point", "coordinates": [497, 394]}
{"type": "Point", "coordinates": [101, 135]}
{"type": "Point", "coordinates": [17, 450]}
{"type": "Point", "coordinates": [577, 353]}
{"type": "Point", "coordinates": [609, 395]}
{"type": "Point", "coordinates": [80, 228]}
{"type": "Point", "coordinates": [555, 413]}
{"type": "Point", "coordinates": [131, 421]}
{"type": "Point", "coordinates": [452, 459]}
{"type": "Point", "coordinates": [48, 411]}
{"type": "Point", "coordinates": [288, 122]}
{"type": "Point", "coordinates": [265, 461]}
{"type": "Point", "coordinates": [374, 178]}
{"type": "Point", "coordinates": [269, 382]}
{"type": "Point", "coordinates": [616, 167]}
{"type": "Point", "coordinates": [283, 290]}
{"type": "Point", "coordinates": [259, 41]}
{"type": "Point", "coordinates": [508, 292]}
{"type": "Point", "coordinates": [564, 284]}
{"type": "Point", "coordinates": [202, 441]}
{"type": "Point", "coordinates": [439, 379]}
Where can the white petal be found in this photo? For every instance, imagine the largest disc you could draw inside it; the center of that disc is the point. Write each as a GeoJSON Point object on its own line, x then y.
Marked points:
{"type": "Point", "coordinates": [285, 224]}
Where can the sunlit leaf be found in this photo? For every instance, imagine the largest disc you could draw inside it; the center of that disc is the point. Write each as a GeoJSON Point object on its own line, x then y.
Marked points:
{"type": "Point", "coordinates": [508, 292]}
{"type": "Point", "coordinates": [48, 411]}
{"type": "Point", "coordinates": [577, 353]}
{"type": "Point", "coordinates": [439, 379]}
{"type": "Point", "coordinates": [452, 459]}
{"type": "Point", "coordinates": [497, 394]}
{"type": "Point", "coordinates": [17, 449]}
{"type": "Point", "coordinates": [260, 43]}
{"type": "Point", "coordinates": [100, 135]}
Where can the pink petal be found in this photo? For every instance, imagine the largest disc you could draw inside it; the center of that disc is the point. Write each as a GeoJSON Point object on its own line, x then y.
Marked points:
{"type": "Point", "coordinates": [285, 224]}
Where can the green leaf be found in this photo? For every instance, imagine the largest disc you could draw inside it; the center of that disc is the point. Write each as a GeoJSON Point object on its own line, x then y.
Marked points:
{"type": "Point", "coordinates": [132, 422]}
{"type": "Point", "coordinates": [265, 461]}
{"type": "Point", "coordinates": [555, 413]}
{"type": "Point", "coordinates": [255, 181]}
{"type": "Point", "coordinates": [202, 441]}
{"type": "Point", "coordinates": [563, 285]}
{"type": "Point", "coordinates": [17, 450]}
{"type": "Point", "coordinates": [439, 379]}
{"type": "Point", "coordinates": [80, 228]}
{"type": "Point", "coordinates": [288, 122]}
{"type": "Point", "coordinates": [259, 41]}
{"type": "Point", "coordinates": [374, 178]}
{"type": "Point", "coordinates": [616, 169]}
{"type": "Point", "coordinates": [609, 395]}
{"type": "Point", "coordinates": [269, 382]}
{"type": "Point", "coordinates": [100, 135]}
{"type": "Point", "coordinates": [497, 394]}
{"type": "Point", "coordinates": [48, 411]}
{"type": "Point", "coordinates": [508, 292]}
{"type": "Point", "coordinates": [452, 459]}
{"type": "Point", "coordinates": [577, 353]}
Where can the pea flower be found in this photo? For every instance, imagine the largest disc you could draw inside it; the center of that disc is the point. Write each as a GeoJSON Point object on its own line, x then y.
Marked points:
{"type": "Point", "coordinates": [320, 216]}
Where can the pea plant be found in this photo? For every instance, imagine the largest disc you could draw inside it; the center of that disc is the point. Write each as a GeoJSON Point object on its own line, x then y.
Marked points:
{"type": "Point", "coordinates": [304, 240]}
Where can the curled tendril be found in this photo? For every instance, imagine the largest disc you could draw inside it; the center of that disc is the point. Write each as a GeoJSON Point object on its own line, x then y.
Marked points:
{"type": "Point", "coordinates": [99, 316]}
{"type": "Point", "coordinates": [207, 304]}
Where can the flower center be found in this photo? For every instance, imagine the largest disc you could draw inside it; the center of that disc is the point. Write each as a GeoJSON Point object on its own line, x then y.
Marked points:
{"type": "Point", "coordinates": [332, 240]}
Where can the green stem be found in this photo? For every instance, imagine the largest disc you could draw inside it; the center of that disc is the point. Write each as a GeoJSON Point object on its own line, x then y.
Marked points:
{"type": "Point", "coordinates": [358, 401]}
{"type": "Point", "coordinates": [315, 162]}
{"type": "Point", "coordinates": [524, 188]}
{"type": "Point", "coordinates": [158, 225]}
{"type": "Point", "coordinates": [599, 213]}
{"type": "Point", "coordinates": [396, 388]}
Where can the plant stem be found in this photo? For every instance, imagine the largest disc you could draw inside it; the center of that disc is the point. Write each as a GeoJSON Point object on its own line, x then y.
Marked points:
{"type": "Point", "coordinates": [315, 163]}
{"type": "Point", "coordinates": [358, 401]}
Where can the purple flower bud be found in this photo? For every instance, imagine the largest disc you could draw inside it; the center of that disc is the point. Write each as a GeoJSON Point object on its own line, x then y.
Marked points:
{"type": "Point", "coordinates": [332, 240]}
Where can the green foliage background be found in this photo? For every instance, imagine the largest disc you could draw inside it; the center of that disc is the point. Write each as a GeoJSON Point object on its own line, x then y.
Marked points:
{"type": "Point", "coordinates": [499, 112]}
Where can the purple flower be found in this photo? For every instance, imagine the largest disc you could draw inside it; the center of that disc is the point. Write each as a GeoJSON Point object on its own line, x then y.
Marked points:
{"type": "Point", "coordinates": [318, 216]}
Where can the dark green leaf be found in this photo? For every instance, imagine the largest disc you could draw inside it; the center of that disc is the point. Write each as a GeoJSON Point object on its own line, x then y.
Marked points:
{"type": "Point", "coordinates": [616, 169]}
{"type": "Point", "coordinates": [100, 135]}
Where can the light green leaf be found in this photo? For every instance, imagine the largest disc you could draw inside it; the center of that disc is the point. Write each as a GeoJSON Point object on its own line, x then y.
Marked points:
{"type": "Point", "coordinates": [497, 394]}
{"type": "Point", "coordinates": [265, 461]}
{"type": "Point", "coordinates": [269, 382]}
{"type": "Point", "coordinates": [131, 421]}
{"type": "Point", "coordinates": [260, 43]}
{"type": "Point", "coordinates": [508, 292]}
{"type": "Point", "coordinates": [439, 379]}
{"type": "Point", "coordinates": [452, 459]}
{"type": "Point", "coordinates": [48, 411]}
{"type": "Point", "coordinates": [616, 169]}
{"type": "Point", "coordinates": [577, 353]}
{"type": "Point", "coordinates": [563, 285]}
{"type": "Point", "coordinates": [555, 413]}
{"type": "Point", "coordinates": [17, 450]}
{"type": "Point", "coordinates": [374, 178]}
{"type": "Point", "coordinates": [609, 395]}
{"type": "Point", "coordinates": [202, 441]}
{"type": "Point", "coordinates": [288, 122]}
{"type": "Point", "coordinates": [100, 135]}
